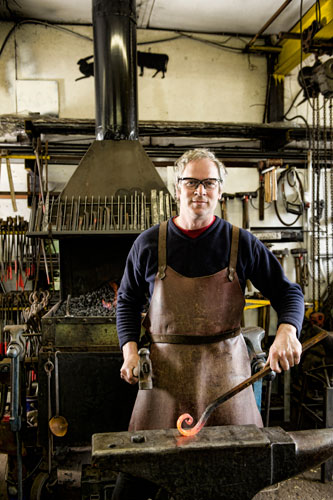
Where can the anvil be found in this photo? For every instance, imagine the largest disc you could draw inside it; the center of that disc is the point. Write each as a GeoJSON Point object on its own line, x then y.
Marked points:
{"type": "Point", "coordinates": [229, 462]}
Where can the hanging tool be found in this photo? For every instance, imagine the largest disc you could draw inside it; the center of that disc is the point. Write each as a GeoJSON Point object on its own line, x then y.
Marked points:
{"type": "Point", "coordinates": [58, 425]}
{"type": "Point", "coordinates": [281, 254]}
{"type": "Point", "coordinates": [49, 367]}
{"type": "Point", "coordinates": [240, 387]}
{"type": "Point", "coordinates": [16, 352]}
{"type": "Point", "coordinates": [261, 165]}
{"type": "Point", "coordinates": [224, 204]}
{"type": "Point", "coordinates": [296, 204]}
{"type": "Point", "coordinates": [245, 200]}
{"type": "Point", "coordinates": [40, 173]}
{"type": "Point", "coordinates": [291, 176]}
{"type": "Point", "coordinates": [11, 185]}
{"type": "Point", "coordinates": [270, 183]}
{"type": "Point", "coordinates": [301, 266]}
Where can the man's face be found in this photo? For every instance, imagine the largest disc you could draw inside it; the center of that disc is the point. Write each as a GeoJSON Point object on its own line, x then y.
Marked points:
{"type": "Point", "coordinates": [199, 203]}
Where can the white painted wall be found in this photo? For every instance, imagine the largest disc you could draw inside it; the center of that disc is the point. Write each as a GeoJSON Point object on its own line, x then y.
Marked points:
{"type": "Point", "coordinates": [203, 82]}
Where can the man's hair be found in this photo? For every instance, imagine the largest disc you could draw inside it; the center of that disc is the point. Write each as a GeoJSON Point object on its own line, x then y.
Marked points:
{"type": "Point", "coordinates": [198, 154]}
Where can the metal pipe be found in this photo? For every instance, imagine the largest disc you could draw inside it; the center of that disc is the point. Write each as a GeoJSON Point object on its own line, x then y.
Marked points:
{"type": "Point", "coordinates": [115, 69]}
{"type": "Point", "coordinates": [268, 23]}
{"type": "Point", "coordinates": [15, 352]}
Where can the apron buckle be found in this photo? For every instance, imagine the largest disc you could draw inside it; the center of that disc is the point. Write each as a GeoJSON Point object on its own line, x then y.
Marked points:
{"type": "Point", "coordinates": [231, 273]}
{"type": "Point", "coordinates": [161, 272]}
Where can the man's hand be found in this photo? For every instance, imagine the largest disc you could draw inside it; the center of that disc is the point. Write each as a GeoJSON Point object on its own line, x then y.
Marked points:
{"type": "Point", "coordinates": [131, 361]}
{"type": "Point", "coordinates": [286, 349]}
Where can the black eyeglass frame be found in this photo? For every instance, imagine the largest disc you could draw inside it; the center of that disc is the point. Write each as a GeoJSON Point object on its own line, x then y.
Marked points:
{"type": "Point", "coordinates": [202, 181]}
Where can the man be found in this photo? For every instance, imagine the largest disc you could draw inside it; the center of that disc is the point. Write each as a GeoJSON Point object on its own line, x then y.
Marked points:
{"type": "Point", "coordinates": [194, 269]}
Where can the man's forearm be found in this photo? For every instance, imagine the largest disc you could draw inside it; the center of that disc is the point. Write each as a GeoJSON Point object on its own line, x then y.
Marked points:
{"type": "Point", "coordinates": [130, 349]}
{"type": "Point", "coordinates": [131, 359]}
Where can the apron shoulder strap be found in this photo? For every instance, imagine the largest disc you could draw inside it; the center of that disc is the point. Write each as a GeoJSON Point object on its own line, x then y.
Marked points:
{"type": "Point", "coordinates": [162, 254]}
{"type": "Point", "coordinates": [233, 253]}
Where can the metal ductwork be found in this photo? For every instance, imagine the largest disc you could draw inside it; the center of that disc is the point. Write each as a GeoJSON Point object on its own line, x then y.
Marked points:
{"type": "Point", "coordinates": [115, 69]}
{"type": "Point", "coordinates": [116, 160]}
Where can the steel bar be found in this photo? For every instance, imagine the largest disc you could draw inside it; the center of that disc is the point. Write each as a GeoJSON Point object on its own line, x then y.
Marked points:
{"type": "Point", "coordinates": [135, 211]}
{"type": "Point", "coordinates": [161, 207]}
{"type": "Point", "coordinates": [142, 217]}
{"type": "Point", "coordinates": [39, 175]}
{"type": "Point", "coordinates": [154, 207]}
{"type": "Point", "coordinates": [268, 23]}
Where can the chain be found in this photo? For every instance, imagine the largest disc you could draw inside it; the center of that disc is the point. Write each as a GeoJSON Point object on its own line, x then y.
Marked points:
{"type": "Point", "coordinates": [313, 248]}
{"type": "Point", "coordinates": [317, 205]}
{"type": "Point", "coordinates": [331, 199]}
{"type": "Point", "coordinates": [326, 200]}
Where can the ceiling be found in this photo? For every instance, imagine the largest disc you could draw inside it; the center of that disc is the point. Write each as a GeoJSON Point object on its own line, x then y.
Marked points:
{"type": "Point", "coordinates": [208, 16]}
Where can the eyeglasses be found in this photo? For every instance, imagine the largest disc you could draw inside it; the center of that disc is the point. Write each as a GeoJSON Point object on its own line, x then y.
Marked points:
{"type": "Point", "coordinates": [192, 184]}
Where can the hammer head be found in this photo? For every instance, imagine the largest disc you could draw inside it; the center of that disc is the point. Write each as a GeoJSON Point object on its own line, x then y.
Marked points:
{"type": "Point", "coordinates": [228, 196]}
{"type": "Point", "coordinates": [247, 194]}
{"type": "Point", "coordinates": [145, 370]}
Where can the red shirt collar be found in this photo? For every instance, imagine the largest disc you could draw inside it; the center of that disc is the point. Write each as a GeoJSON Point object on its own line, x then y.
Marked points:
{"type": "Point", "coordinates": [194, 233]}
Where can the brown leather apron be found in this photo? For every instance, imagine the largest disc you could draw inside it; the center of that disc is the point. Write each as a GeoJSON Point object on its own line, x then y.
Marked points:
{"type": "Point", "coordinates": [197, 350]}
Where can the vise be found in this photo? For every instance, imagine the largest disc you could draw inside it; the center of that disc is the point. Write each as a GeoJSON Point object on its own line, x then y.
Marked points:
{"type": "Point", "coordinates": [219, 463]}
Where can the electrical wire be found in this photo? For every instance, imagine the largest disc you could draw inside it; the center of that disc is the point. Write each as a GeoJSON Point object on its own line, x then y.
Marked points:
{"type": "Point", "coordinates": [220, 45]}
{"type": "Point", "coordinates": [283, 174]}
{"type": "Point", "coordinates": [306, 124]}
{"type": "Point", "coordinates": [267, 204]}
{"type": "Point", "coordinates": [184, 35]}
{"type": "Point", "coordinates": [43, 23]}
{"type": "Point", "coordinates": [268, 90]}
{"type": "Point", "coordinates": [293, 102]}
{"type": "Point", "coordinates": [161, 40]}
{"type": "Point", "coordinates": [209, 42]}
{"type": "Point", "coordinates": [28, 476]}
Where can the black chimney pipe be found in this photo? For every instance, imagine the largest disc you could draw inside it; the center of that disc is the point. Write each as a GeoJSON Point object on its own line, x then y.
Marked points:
{"type": "Point", "coordinates": [116, 159]}
{"type": "Point", "coordinates": [115, 68]}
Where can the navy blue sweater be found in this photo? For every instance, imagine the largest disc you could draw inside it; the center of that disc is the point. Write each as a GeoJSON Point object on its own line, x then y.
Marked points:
{"type": "Point", "coordinates": [202, 256]}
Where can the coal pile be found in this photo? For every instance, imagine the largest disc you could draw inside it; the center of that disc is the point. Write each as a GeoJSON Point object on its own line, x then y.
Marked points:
{"type": "Point", "coordinates": [101, 302]}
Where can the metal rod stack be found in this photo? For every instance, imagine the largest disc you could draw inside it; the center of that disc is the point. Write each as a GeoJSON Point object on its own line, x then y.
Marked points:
{"type": "Point", "coordinates": [125, 211]}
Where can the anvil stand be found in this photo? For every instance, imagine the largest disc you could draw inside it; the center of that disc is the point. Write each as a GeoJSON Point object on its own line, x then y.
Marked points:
{"type": "Point", "coordinates": [229, 462]}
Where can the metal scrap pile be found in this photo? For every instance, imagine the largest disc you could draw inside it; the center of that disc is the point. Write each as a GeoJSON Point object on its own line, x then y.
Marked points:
{"type": "Point", "coordinates": [101, 302]}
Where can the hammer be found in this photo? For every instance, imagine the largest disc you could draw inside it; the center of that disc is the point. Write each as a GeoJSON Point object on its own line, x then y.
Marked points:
{"type": "Point", "coordinates": [245, 199]}
{"type": "Point", "coordinates": [300, 256]}
{"type": "Point", "coordinates": [224, 203]}
{"type": "Point", "coordinates": [281, 254]}
{"type": "Point", "coordinates": [144, 370]}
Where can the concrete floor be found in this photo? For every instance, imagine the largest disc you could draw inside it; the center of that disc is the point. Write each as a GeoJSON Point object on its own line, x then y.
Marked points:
{"type": "Point", "coordinates": [306, 486]}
